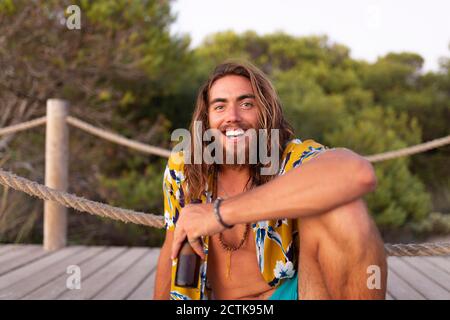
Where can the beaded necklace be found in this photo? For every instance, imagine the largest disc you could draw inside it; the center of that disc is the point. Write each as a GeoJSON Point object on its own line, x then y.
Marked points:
{"type": "Point", "coordinates": [227, 247]}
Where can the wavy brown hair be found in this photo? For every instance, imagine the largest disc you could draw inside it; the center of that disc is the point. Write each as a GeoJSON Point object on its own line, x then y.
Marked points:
{"type": "Point", "coordinates": [270, 117]}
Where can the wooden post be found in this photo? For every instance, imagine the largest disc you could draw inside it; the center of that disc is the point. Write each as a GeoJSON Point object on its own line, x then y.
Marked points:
{"type": "Point", "coordinates": [56, 173]}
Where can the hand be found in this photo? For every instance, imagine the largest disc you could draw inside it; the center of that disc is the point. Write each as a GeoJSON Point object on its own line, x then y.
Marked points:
{"type": "Point", "coordinates": [195, 221]}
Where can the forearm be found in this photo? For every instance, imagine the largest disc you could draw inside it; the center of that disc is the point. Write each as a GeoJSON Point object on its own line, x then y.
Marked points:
{"type": "Point", "coordinates": [163, 273]}
{"type": "Point", "coordinates": [326, 182]}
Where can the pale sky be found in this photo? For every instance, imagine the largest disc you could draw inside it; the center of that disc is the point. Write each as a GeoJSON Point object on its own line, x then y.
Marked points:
{"type": "Point", "coordinates": [370, 28]}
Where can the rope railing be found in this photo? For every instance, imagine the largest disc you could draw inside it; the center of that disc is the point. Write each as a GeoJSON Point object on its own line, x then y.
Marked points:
{"type": "Point", "coordinates": [96, 208]}
{"type": "Point", "coordinates": [149, 149]}
{"type": "Point", "coordinates": [418, 249]}
{"type": "Point", "coordinates": [422, 147]}
{"type": "Point", "coordinates": [23, 126]}
{"type": "Point", "coordinates": [116, 138]}
{"type": "Point", "coordinates": [68, 200]}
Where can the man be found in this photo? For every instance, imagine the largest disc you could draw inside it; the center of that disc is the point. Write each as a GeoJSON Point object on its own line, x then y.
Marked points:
{"type": "Point", "coordinates": [303, 232]}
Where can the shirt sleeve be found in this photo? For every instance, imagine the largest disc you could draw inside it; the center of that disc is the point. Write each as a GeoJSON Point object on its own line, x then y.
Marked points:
{"type": "Point", "coordinates": [173, 194]}
{"type": "Point", "coordinates": [300, 152]}
{"type": "Point", "coordinates": [305, 151]}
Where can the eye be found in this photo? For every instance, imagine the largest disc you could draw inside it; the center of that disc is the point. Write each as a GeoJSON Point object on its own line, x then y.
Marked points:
{"type": "Point", "coordinates": [218, 107]}
{"type": "Point", "coordinates": [247, 105]}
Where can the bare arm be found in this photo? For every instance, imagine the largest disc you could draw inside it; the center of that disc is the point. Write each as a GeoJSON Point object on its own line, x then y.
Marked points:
{"type": "Point", "coordinates": [328, 181]}
{"type": "Point", "coordinates": [164, 270]}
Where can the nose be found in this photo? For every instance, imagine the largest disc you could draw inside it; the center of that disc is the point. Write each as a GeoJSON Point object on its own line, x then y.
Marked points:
{"type": "Point", "coordinates": [233, 114]}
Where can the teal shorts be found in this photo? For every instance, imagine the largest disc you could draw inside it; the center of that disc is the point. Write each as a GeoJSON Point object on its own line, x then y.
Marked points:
{"type": "Point", "coordinates": [288, 290]}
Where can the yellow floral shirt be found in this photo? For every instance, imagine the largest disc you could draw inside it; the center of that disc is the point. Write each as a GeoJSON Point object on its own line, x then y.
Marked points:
{"type": "Point", "coordinates": [275, 246]}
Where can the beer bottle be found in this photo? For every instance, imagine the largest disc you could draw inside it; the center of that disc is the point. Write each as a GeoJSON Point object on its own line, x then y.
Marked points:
{"type": "Point", "coordinates": [188, 266]}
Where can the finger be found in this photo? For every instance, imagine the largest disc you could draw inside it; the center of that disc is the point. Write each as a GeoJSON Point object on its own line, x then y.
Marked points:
{"type": "Point", "coordinates": [177, 242]}
{"type": "Point", "coordinates": [198, 247]}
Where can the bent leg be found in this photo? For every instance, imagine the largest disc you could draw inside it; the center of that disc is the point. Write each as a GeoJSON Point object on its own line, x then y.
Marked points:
{"type": "Point", "coordinates": [337, 250]}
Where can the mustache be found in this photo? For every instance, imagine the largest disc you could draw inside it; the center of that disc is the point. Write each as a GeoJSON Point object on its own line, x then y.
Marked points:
{"type": "Point", "coordinates": [242, 125]}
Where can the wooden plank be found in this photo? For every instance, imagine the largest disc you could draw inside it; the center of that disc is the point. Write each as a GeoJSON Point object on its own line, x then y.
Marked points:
{"type": "Point", "coordinates": [18, 274]}
{"type": "Point", "coordinates": [388, 296]}
{"type": "Point", "coordinates": [94, 284]}
{"type": "Point", "coordinates": [16, 252]}
{"type": "Point", "coordinates": [125, 284]}
{"type": "Point", "coordinates": [408, 277]}
{"type": "Point", "coordinates": [57, 287]}
{"type": "Point", "coordinates": [6, 248]}
{"type": "Point", "coordinates": [400, 289]}
{"type": "Point", "coordinates": [19, 257]}
{"type": "Point", "coordinates": [441, 262]}
{"type": "Point", "coordinates": [145, 290]}
{"type": "Point", "coordinates": [427, 287]}
{"type": "Point", "coordinates": [34, 281]}
{"type": "Point", "coordinates": [429, 270]}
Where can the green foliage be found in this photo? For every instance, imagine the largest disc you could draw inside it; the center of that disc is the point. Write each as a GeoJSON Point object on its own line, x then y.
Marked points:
{"type": "Point", "coordinates": [400, 197]}
{"type": "Point", "coordinates": [309, 109]}
{"type": "Point", "coordinates": [369, 108]}
{"type": "Point", "coordinates": [126, 72]}
{"type": "Point", "coordinates": [7, 6]}
{"type": "Point", "coordinates": [136, 189]}
{"type": "Point", "coordinates": [436, 224]}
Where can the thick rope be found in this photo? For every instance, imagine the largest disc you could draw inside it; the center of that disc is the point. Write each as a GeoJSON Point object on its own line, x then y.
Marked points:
{"type": "Point", "coordinates": [81, 204]}
{"type": "Point", "coordinates": [410, 150]}
{"type": "Point", "coordinates": [113, 137]}
{"type": "Point", "coordinates": [166, 153]}
{"type": "Point", "coordinates": [68, 200]}
{"type": "Point", "coordinates": [418, 249]}
{"type": "Point", "coordinates": [142, 147]}
{"type": "Point", "coordinates": [23, 126]}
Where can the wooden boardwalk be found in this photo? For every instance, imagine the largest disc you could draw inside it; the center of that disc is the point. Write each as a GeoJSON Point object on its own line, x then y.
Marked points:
{"type": "Point", "coordinates": [120, 273]}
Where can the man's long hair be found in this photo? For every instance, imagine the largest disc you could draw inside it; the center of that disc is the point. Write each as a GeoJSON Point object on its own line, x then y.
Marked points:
{"type": "Point", "coordinates": [270, 117]}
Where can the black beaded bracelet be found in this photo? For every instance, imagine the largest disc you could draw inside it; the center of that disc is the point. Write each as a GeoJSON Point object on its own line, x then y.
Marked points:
{"type": "Point", "coordinates": [217, 213]}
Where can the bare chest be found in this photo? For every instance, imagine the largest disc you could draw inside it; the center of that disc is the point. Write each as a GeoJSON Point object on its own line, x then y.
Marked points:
{"type": "Point", "coordinates": [235, 275]}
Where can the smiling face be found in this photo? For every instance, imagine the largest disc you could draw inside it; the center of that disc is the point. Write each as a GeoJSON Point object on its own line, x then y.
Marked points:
{"type": "Point", "coordinates": [227, 101]}
{"type": "Point", "coordinates": [232, 109]}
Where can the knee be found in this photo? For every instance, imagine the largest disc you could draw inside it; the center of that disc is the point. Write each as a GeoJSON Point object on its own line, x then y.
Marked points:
{"type": "Point", "coordinates": [351, 227]}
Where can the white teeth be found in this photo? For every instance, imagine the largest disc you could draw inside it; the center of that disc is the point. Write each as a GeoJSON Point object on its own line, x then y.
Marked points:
{"type": "Point", "coordinates": [234, 133]}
